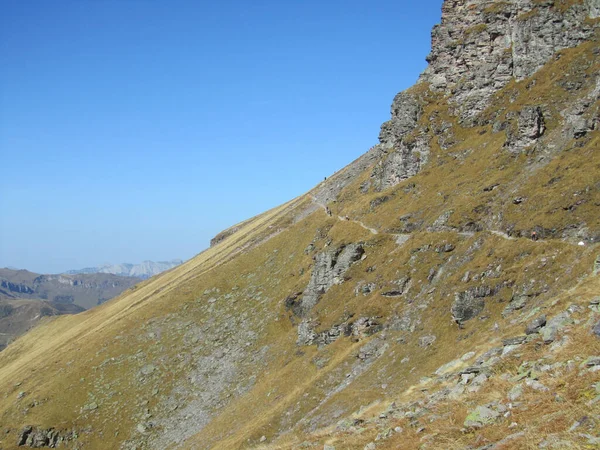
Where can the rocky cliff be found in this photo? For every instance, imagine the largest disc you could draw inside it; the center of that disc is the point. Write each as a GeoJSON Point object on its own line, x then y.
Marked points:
{"type": "Point", "coordinates": [441, 291]}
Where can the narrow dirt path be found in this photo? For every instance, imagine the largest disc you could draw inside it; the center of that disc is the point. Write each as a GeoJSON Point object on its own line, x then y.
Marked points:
{"type": "Point", "coordinates": [501, 234]}
{"type": "Point", "coordinates": [347, 219]}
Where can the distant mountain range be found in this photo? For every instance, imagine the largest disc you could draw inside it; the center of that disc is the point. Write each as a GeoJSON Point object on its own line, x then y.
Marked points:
{"type": "Point", "coordinates": [143, 270]}
{"type": "Point", "coordinates": [27, 297]}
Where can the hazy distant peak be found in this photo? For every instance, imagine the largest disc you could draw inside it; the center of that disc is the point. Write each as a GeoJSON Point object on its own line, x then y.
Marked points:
{"type": "Point", "coordinates": [145, 269]}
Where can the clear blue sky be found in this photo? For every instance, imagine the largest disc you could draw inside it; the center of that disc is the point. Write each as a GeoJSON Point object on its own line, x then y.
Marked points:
{"type": "Point", "coordinates": [138, 129]}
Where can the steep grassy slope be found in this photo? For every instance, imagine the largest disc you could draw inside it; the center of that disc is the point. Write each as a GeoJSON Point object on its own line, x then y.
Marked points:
{"type": "Point", "coordinates": [384, 324]}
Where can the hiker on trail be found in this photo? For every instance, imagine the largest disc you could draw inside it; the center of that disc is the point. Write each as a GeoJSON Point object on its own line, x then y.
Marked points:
{"type": "Point", "coordinates": [534, 236]}
{"type": "Point", "coordinates": [328, 211]}
{"type": "Point", "coordinates": [347, 218]}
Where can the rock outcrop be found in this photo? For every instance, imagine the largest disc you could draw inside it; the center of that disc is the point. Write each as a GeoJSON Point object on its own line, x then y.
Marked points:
{"type": "Point", "coordinates": [480, 45]}
{"type": "Point", "coordinates": [470, 303]}
{"type": "Point", "coordinates": [405, 149]}
{"type": "Point", "coordinates": [529, 128]}
{"type": "Point", "coordinates": [329, 269]}
{"type": "Point", "coordinates": [33, 437]}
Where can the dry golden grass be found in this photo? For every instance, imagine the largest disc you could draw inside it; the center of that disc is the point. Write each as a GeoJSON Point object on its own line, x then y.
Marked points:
{"type": "Point", "coordinates": [298, 394]}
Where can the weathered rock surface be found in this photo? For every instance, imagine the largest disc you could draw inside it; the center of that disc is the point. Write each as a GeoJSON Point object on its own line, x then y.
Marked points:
{"type": "Point", "coordinates": [329, 269]}
{"type": "Point", "coordinates": [529, 128]}
{"type": "Point", "coordinates": [406, 112]}
{"type": "Point", "coordinates": [481, 416]}
{"type": "Point", "coordinates": [37, 437]}
{"type": "Point", "coordinates": [470, 303]}
{"type": "Point", "coordinates": [480, 46]}
{"type": "Point", "coordinates": [535, 325]}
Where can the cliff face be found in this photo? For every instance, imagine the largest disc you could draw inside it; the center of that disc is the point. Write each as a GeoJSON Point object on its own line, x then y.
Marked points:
{"type": "Point", "coordinates": [441, 291]}
{"type": "Point", "coordinates": [480, 46]}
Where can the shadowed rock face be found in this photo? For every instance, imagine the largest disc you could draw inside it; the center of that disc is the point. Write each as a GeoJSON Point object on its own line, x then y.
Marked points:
{"type": "Point", "coordinates": [470, 303]}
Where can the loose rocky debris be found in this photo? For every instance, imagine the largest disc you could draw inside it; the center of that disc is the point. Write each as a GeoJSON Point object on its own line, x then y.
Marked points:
{"type": "Point", "coordinates": [358, 330]}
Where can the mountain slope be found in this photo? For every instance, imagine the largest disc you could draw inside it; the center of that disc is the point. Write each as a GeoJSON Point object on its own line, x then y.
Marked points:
{"type": "Point", "coordinates": [387, 307]}
{"type": "Point", "coordinates": [18, 316]}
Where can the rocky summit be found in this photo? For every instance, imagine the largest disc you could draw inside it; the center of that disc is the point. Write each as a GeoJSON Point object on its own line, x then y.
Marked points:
{"type": "Point", "coordinates": [441, 291]}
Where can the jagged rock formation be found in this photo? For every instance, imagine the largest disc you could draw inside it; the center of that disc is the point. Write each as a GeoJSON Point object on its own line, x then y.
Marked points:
{"type": "Point", "coordinates": [480, 46]}
{"type": "Point", "coordinates": [309, 329]}
{"type": "Point", "coordinates": [38, 438]}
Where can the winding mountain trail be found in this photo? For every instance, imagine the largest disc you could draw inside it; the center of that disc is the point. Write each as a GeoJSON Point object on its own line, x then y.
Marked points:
{"type": "Point", "coordinates": [502, 235]}
{"type": "Point", "coordinates": [374, 231]}
{"type": "Point", "coordinates": [345, 219]}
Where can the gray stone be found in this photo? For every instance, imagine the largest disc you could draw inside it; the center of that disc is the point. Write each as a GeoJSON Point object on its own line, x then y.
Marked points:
{"type": "Point", "coordinates": [596, 330]}
{"type": "Point", "coordinates": [481, 416]}
{"type": "Point", "coordinates": [39, 437]}
{"type": "Point", "coordinates": [426, 341]}
{"type": "Point", "coordinates": [306, 333]}
{"type": "Point", "coordinates": [515, 393]}
{"type": "Point", "coordinates": [90, 406]}
{"type": "Point", "coordinates": [148, 369]}
{"type": "Point", "coordinates": [405, 112]}
{"type": "Point", "coordinates": [467, 356]}
{"type": "Point", "coordinates": [535, 325]}
{"type": "Point", "coordinates": [517, 340]}
{"type": "Point", "coordinates": [403, 161]}
{"type": "Point", "coordinates": [550, 331]}
{"type": "Point", "coordinates": [536, 385]}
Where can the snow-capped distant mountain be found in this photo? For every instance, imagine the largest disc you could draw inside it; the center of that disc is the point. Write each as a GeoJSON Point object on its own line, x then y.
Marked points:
{"type": "Point", "coordinates": [143, 270]}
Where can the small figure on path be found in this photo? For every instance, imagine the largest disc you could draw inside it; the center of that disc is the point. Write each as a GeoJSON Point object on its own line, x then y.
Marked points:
{"type": "Point", "coordinates": [534, 236]}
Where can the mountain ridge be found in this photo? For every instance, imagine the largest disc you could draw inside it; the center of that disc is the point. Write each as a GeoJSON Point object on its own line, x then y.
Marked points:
{"type": "Point", "coordinates": [402, 303]}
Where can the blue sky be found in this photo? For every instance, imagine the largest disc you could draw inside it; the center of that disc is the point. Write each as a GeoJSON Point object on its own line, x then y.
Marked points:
{"type": "Point", "coordinates": [138, 129]}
